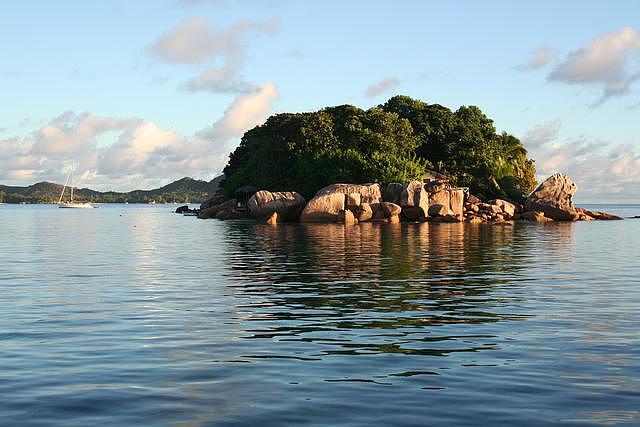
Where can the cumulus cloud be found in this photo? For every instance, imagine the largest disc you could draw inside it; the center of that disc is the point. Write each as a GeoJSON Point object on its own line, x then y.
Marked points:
{"type": "Point", "coordinates": [194, 41]}
{"type": "Point", "coordinates": [218, 80]}
{"type": "Point", "coordinates": [604, 172]}
{"type": "Point", "coordinates": [247, 111]}
{"type": "Point", "coordinates": [539, 58]}
{"type": "Point", "coordinates": [603, 63]}
{"type": "Point", "coordinates": [221, 51]}
{"type": "Point", "coordinates": [122, 154]}
{"type": "Point", "coordinates": [383, 86]}
{"type": "Point", "coordinates": [542, 134]}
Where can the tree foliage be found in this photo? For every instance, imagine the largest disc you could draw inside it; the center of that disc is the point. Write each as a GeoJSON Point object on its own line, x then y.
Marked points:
{"type": "Point", "coordinates": [394, 142]}
{"type": "Point", "coordinates": [307, 151]}
{"type": "Point", "coordinates": [464, 144]}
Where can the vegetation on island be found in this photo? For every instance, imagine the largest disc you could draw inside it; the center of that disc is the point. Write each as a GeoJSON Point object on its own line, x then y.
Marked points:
{"type": "Point", "coordinates": [397, 141]}
{"type": "Point", "coordinates": [185, 190]}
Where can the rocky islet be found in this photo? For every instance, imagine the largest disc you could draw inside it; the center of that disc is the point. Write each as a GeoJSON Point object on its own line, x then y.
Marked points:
{"type": "Point", "coordinates": [414, 201]}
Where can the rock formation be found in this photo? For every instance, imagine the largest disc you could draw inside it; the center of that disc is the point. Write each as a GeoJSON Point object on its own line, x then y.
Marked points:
{"type": "Point", "coordinates": [554, 198]}
{"type": "Point", "coordinates": [287, 205]}
{"type": "Point", "coordinates": [451, 201]}
{"type": "Point", "coordinates": [329, 201]}
{"type": "Point", "coordinates": [392, 193]}
{"type": "Point", "coordinates": [414, 201]}
{"type": "Point", "coordinates": [212, 211]}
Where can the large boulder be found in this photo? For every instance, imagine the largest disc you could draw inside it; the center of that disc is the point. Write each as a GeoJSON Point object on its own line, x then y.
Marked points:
{"type": "Point", "coordinates": [439, 210]}
{"type": "Point", "coordinates": [440, 198]}
{"type": "Point", "coordinates": [363, 212]}
{"type": "Point", "coordinates": [213, 211]}
{"type": "Point", "coordinates": [596, 215]}
{"type": "Point", "coordinates": [369, 193]}
{"type": "Point", "coordinates": [392, 192]}
{"type": "Point", "coordinates": [414, 201]}
{"type": "Point", "coordinates": [385, 212]}
{"type": "Point", "coordinates": [507, 207]}
{"type": "Point", "coordinates": [456, 202]}
{"type": "Point", "coordinates": [287, 204]}
{"type": "Point", "coordinates": [554, 198]}
{"type": "Point", "coordinates": [211, 202]}
{"type": "Point", "coordinates": [329, 201]}
{"type": "Point", "coordinates": [323, 208]}
{"type": "Point", "coordinates": [534, 216]}
{"type": "Point", "coordinates": [346, 217]}
{"type": "Point", "coordinates": [390, 209]}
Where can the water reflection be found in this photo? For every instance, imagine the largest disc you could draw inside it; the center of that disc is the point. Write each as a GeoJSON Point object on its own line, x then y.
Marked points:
{"type": "Point", "coordinates": [375, 288]}
{"type": "Point", "coordinates": [146, 317]}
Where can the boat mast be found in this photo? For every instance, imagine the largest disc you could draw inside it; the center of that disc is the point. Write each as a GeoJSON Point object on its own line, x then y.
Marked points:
{"type": "Point", "coordinates": [71, 173]}
{"type": "Point", "coordinates": [63, 188]}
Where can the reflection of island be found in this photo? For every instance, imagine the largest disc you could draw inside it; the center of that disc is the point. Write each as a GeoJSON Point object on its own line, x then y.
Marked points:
{"type": "Point", "coordinates": [345, 286]}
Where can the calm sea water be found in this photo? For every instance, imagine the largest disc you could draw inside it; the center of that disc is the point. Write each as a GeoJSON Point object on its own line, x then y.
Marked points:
{"type": "Point", "coordinates": [132, 315]}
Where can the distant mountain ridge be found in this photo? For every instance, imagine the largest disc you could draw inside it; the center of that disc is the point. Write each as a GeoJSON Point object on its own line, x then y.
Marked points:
{"type": "Point", "coordinates": [184, 190]}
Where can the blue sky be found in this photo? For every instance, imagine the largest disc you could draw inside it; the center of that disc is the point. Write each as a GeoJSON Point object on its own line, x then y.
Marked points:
{"type": "Point", "coordinates": [142, 93]}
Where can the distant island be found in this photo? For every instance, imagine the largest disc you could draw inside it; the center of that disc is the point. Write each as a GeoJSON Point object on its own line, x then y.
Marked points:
{"type": "Point", "coordinates": [185, 190]}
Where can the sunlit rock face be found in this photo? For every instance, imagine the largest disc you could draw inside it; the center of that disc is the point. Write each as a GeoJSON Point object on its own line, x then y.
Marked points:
{"type": "Point", "coordinates": [554, 198]}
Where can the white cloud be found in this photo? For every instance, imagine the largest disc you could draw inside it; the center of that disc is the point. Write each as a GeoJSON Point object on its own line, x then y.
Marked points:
{"type": "Point", "coordinates": [221, 51]}
{"type": "Point", "coordinates": [69, 134]}
{"type": "Point", "coordinates": [141, 155]}
{"type": "Point", "coordinates": [218, 80]}
{"type": "Point", "coordinates": [602, 171]}
{"type": "Point", "coordinates": [383, 86]}
{"type": "Point", "coordinates": [603, 63]}
{"type": "Point", "coordinates": [542, 134]}
{"type": "Point", "coordinates": [539, 58]}
{"type": "Point", "coordinates": [248, 110]}
{"type": "Point", "coordinates": [194, 41]}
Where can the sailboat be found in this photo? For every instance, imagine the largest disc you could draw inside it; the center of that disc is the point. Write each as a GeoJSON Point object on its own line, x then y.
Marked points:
{"type": "Point", "coordinates": [70, 203]}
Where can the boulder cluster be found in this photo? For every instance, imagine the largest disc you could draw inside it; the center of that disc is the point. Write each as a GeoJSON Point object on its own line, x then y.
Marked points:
{"type": "Point", "coordinates": [413, 201]}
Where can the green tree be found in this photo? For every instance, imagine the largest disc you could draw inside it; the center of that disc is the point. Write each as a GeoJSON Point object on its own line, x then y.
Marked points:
{"type": "Point", "coordinates": [395, 141]}
{"type": "Point", "coordinates": [307, 151]}
{"type": "Point", "coordinates": [464, 144]}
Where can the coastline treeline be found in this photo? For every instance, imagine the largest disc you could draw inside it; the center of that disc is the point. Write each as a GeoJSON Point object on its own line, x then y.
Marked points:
{"type": "Point", "coordinates": [184, 190]}
{"type": "Point", "coordinates": [397, 141]}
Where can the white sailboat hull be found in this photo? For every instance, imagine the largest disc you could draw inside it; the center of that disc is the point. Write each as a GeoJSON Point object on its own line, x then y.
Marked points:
{"type": "Point", "coordinates": [71, 204]}
{"type": "Point", "coordinates": [75, 205]}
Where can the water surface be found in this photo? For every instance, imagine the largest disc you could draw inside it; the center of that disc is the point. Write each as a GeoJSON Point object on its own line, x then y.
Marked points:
{"type": "Point", "coordinates": [132, 315]}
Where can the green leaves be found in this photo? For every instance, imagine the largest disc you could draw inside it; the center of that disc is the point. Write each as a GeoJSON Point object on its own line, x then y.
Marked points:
{"type": "Point", "coordinates": [307, 151]}
{"type": "Point", "coordinates": [464, 144]}
{"type": "Point", "coordinates": [393, 142]}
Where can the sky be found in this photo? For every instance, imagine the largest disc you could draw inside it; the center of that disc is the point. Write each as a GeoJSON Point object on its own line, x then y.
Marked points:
{"type": "Point", "coordinates": [138, 94]}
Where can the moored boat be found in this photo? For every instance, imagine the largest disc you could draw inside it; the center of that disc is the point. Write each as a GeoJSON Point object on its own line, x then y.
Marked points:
{"type": "Point", "coordinates": [71, 204]}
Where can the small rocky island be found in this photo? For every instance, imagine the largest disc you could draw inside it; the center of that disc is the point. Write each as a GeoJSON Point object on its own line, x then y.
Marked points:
{"type": "Point", "coordinates": [414, 201]}
{"type": "Point", "coordinates": [426, 163]}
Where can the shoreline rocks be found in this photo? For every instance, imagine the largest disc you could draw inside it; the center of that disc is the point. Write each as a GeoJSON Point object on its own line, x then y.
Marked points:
{"type": "Point", "coordinates": [329, 201]}
{"type": "Point", "coordinates": [412, 201]}
{"type": "Point", "coordinates": [553, 198]}
{"type": "Point", "coordinates": [286, 206]}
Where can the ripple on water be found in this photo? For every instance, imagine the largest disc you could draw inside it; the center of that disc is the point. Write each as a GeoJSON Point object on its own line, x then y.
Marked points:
{"type": "Point", "coordinates": [132, 315]}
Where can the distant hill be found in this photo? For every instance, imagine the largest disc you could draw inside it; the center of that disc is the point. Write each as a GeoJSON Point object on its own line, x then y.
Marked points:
{"type": "Point", "coordinates": [184, 190]}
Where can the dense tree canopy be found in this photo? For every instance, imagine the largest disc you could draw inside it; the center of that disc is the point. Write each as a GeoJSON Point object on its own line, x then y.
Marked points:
{"type": "Point", "coordinates": [464, 144]}
{"type": "Point", "coordinates": [394, 142]}
{"type": "Point", "coordinates": [307, 151]}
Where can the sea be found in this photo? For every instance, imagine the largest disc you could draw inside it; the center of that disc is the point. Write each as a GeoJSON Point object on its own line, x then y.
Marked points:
{"type": "Point", "coordinates": [131, 315]}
